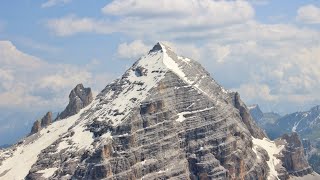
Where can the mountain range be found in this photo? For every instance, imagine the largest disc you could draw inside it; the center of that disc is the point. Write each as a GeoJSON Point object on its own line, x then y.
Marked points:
{"type": "Point", "coordinates": [164, 118]}
{"type": "Point", "coordinates": [305, 123]}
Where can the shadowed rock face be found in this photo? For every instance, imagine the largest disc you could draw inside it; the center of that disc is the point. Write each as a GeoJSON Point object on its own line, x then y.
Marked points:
{"type": "Point", "coordinates": [36, 127]}
{"type": "Point", "coordinates": [45, 121]}
{"type": "Point", "coordinates": [246, 117]}
{"type": "Point", "coordinates": [293, 158]}
{"type": "Point", "coordinates": [79, 98]}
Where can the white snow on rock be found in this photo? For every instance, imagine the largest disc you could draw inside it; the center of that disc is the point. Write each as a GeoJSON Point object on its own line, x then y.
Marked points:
{"type": "Point", "coordinates": [62, 145]}
{"type": "Point", "coordinates": [272, 150]}
{"type": "Point", "coordinates": [181, 117]}
{"type": "Point", "coordinates": [81, 137]}
{"type": "Point", "coordinates": [252, 106]}
{"type": "Point", "coordinates": [296, 124]}
{"type": "Point", "coordinates": [18, 166]}
{"type": "Point", "coordinates": [106, 136]}
{"type": "Point", "coordinates": [173, 66]}
{"type": "Point", "coordinates": [122, 104]}
{"type": "Point", "coordinates": [115, 106]}
{"type": "Point", "coordinates": [46, 173]}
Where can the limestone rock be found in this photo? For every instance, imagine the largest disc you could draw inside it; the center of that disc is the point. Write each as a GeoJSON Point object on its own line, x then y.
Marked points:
{"type": "Point", "coordinates": [45, 121]}
{"type": "Point", "coordinates": [165, 118]}
{"type": "Point", "coordinates": [36, 127]}
{"type": "Point", "coordinates": [293, 158]}
{"type": "Point", "coordinates": [79, 98]}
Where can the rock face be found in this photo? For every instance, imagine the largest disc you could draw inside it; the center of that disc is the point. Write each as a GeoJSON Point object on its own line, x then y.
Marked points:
{"type": "Point", "coordinates": [36, 127]}
{"type": "Point", "coordinates": [165, 118]}
{"type": "Point", "coordinates": [45, 121]}
{"type": "Point", "coordinates": [293, 158]}
{"type": "Point", "coordinates": [255, 112]}
{"type": "Point", "coordinates": [306, 124]}
{"type": "Point", "coordinates": [79, 98]}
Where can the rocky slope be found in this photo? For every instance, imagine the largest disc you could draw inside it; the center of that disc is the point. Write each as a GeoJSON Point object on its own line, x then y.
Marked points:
{"type": "Point", "coordinates": [306, 124]}
{"type": "Point", "coordinates": [165, 118]}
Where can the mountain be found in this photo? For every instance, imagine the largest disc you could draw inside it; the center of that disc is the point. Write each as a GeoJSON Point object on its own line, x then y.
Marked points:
{"type": "Point", "coordinates": [256, 112]}
{"type": "Point", "coordinates": [263, 119]}
{"type": "Point", "coordinates": [306, 124]}
{"type": "Point", "coordinates": [165, 118]}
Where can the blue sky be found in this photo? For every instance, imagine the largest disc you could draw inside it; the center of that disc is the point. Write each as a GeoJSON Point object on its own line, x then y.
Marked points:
{"type": "Point", "coordinates": [268, 50]}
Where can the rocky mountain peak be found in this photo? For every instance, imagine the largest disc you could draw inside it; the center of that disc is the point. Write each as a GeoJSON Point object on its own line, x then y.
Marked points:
{"type": "Point", "coordinates": [45, 121]}
{"type": "Point", "coordinates": [293, 157]}
{"type": "Point", "coordinates": [165, 118]}
{"type": "Point", "coordinates": [315, 109]}
{"type": "Point", "coordinates": [79, 98]}
{"type": "Point", "coordinates": [255, 112]}
{"type": "Point", "coordinates": [157, 47]}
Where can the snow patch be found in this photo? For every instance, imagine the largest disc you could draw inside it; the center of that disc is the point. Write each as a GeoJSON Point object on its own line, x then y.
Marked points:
{"type": "Point", "coordinates": [134, 87]}
{"type": "Point", "coordinates": [181, 117]}
{"type": "Point", "coordinates": [296, 124]}
{"type": "Point", "coordinates": [106, 136]}
{"type": "Point", "coordinates": [46, 173]}
{"type": "Point", "coordinates": [272, 150]}
{"type": "Point", "coordinates": [173, 66]}
{"type": "Point", "coordinates": [62, 145]}
{"type": "Point", "coordinates": [82, 137]}
{"type": "Point", "coordinates": [252, 106]}
{"type": "Point", "coordinates": [27, 153]}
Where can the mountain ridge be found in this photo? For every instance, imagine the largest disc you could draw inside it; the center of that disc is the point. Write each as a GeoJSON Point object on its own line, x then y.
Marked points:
{"type": "Point", "coordinates": [166, 117]}
{"type": "Point", "coordinates": [305, 123]}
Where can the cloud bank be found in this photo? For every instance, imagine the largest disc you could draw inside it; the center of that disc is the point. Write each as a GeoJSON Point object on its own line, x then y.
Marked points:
{"type": "Point", "coordinates": [275, 62]}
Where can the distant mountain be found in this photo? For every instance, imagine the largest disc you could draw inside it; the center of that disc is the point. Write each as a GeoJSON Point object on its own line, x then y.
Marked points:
{"type": "Point", "coordinates": [164, 118]}
{"type": "Point", "coordinates": [263, 119]}
{"type": "Point", "coordinates": [15, 125]}
{"type": "Point", "coordinates": [306, 124]}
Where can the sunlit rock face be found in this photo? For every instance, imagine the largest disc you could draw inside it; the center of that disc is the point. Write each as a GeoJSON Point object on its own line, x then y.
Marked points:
{"type": "Point", "coordinates": [45, 121]}
{"type": "Point", "coordinates": [79, 98]}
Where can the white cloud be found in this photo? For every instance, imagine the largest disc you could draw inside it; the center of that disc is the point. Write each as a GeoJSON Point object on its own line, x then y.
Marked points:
{"type": "Point", "coordinates": [132, 50]}
{"type": "Point", "coordinates": [139, 16]}
{"type": "Point", "coordinates": [309, 14]}
{"type": "Point", "coordinates": [257, 92]}
{"type": "Point", "coordinates": [71, 24]}
{"type": "Point", "coordinates": [9, 56]}
{"type": "Point", "coordinates": [27, 82]}
{"type": "Point", "coordinates": [51, 3]}
{"type": "Point", "coordinates": [200, 12]}
{"type": "Point", "coordinates": [276, 63]}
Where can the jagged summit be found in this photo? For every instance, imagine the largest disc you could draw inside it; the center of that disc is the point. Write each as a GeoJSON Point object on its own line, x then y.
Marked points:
{"type": "Point", "coordinates": [156, 47]}
{"type": "Point", "coordinates": [165, 118]}
{"type": "Point", "coordinates": [79, 98]}
{"type": "Point", "coordinates": [147, 73]}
